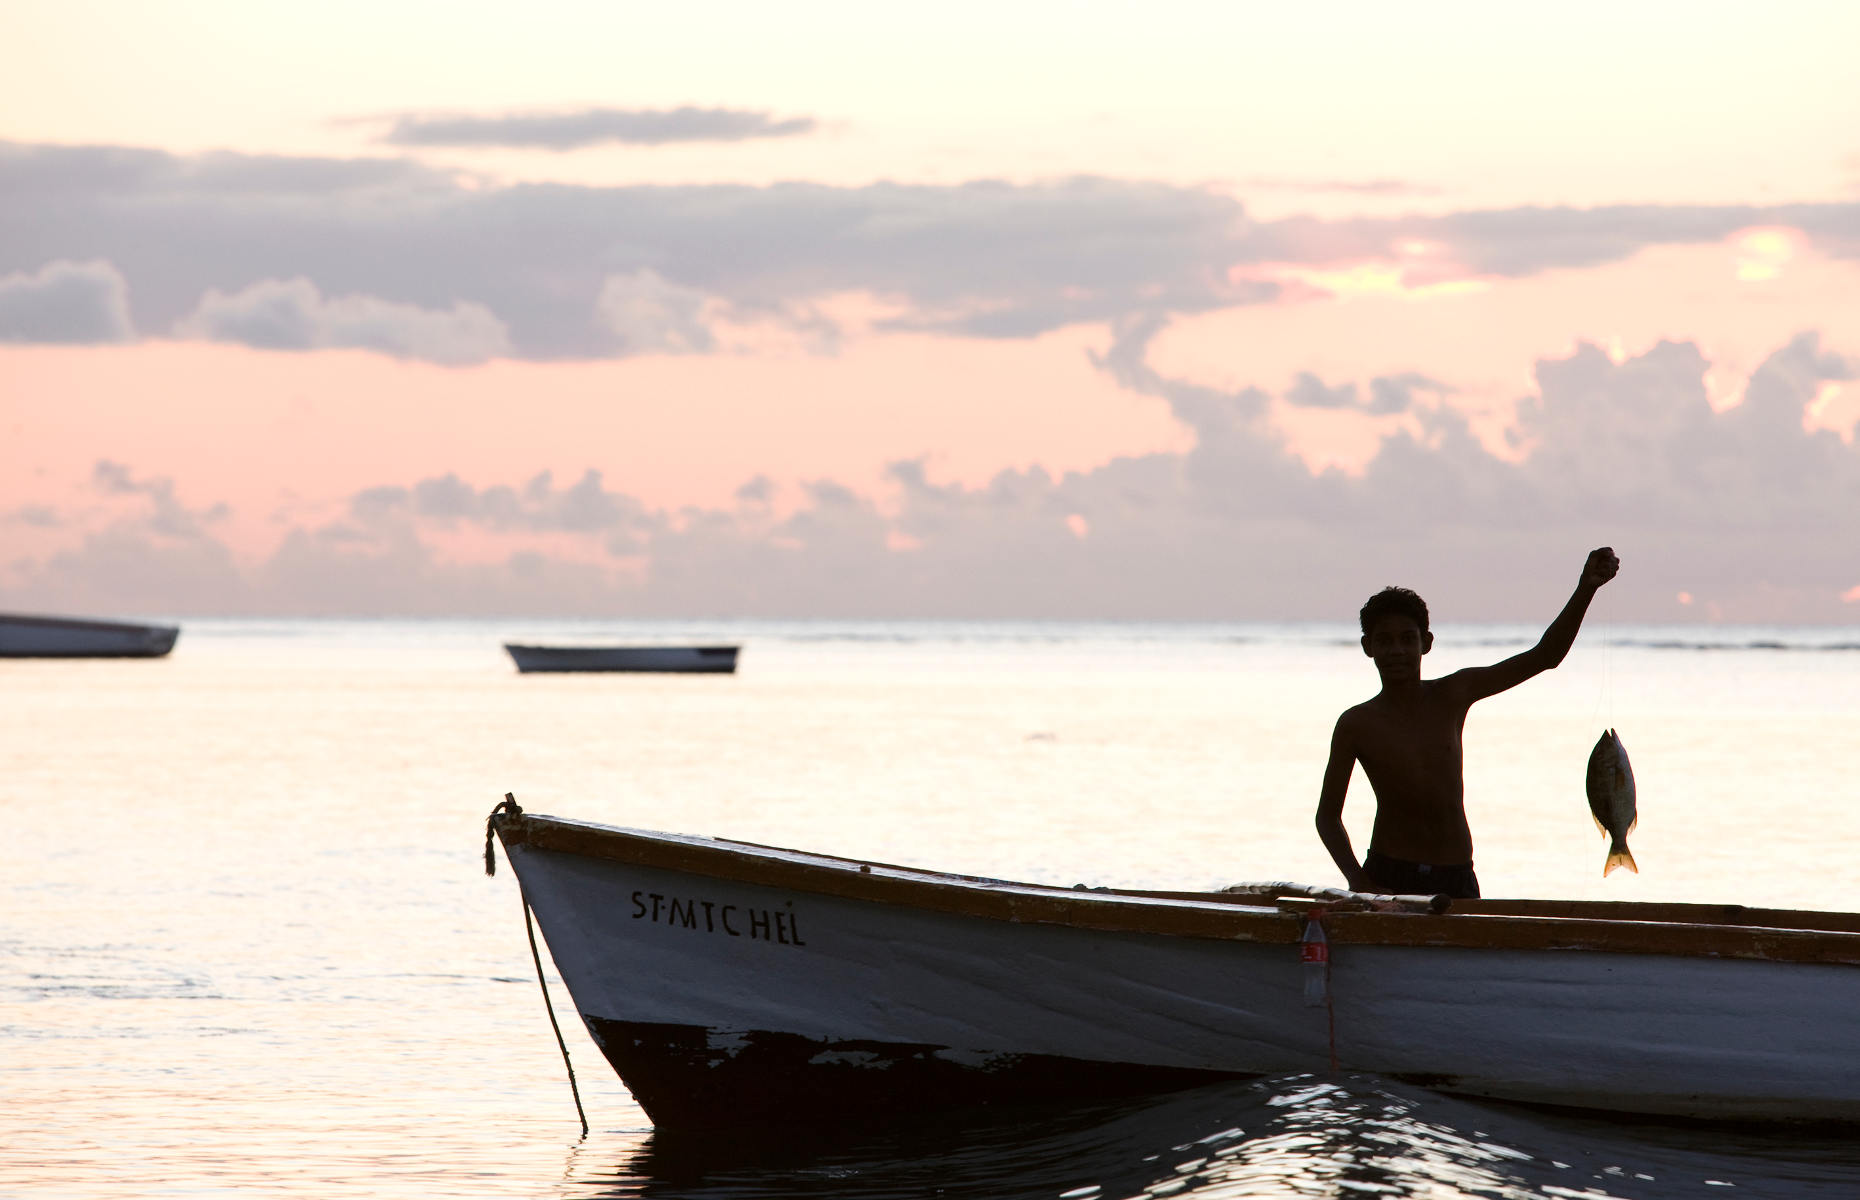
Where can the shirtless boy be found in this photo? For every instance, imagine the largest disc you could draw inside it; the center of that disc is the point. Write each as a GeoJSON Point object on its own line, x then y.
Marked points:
{"type": "Point", "coordinates": [1407, 737]}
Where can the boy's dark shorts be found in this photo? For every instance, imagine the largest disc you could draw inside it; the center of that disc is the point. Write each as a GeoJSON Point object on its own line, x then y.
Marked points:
{"type": "Point", "coordinates": [1399, 877]}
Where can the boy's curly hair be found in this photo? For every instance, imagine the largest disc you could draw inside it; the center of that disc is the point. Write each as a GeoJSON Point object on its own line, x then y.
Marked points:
{"type": "Point", "coordinates": [1393, 601]}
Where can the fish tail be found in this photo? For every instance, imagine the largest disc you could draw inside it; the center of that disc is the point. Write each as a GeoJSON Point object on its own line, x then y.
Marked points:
{"type": "Point", "coordinates": [1619, 856]}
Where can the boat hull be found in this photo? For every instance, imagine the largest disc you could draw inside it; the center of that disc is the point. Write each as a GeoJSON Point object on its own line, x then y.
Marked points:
{"type": "Point", "coordinates": [65, 637]}
{"type": "Point", "coordinates": [720, 1000]}
{"type": "Point", "coordinates": [701, 660]}
{"type": "Point", "coordinates": [690, 1076]}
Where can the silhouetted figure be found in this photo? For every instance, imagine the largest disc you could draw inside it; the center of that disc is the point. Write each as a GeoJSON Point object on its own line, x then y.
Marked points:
{"type": "Point", "coordinates": [1407, 737]}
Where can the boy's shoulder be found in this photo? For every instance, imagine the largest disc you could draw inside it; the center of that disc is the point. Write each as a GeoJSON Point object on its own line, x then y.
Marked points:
{"type": "Point", "coordinates": [1381, 708]}
{"type": "Point", "coordinates": [1358, 715]}
{"type": "Point", "coordinates": [1357, 709]}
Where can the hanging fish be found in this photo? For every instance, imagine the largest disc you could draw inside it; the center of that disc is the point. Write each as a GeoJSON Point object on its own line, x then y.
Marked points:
{"type": "Point", "coordinates": [1611, 799]}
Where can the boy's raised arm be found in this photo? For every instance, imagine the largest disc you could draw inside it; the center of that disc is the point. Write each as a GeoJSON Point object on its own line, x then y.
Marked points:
{"type": "Point", "coordinates": [1553, 646]}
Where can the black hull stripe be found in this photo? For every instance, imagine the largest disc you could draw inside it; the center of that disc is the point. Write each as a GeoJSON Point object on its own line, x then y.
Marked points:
{"type": "Point", "coordinates": [688, 1077]}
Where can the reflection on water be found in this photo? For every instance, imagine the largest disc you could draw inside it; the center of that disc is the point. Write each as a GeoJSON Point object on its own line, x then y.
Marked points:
{"type": "Point", "coordinates": [1289, 1136]}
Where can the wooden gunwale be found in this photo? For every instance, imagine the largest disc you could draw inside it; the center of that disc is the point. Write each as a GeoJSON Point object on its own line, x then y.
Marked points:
{"type": "Point", "coordinates": [1667, 911]}
{"type": "Point", "coordinates": [1657, 911]}
{"type": "Point", "coordinates": [1517, 925]}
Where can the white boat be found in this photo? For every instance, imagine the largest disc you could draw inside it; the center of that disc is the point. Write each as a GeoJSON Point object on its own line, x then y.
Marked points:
{"type": "Point", "coordinates": [697, 659]}
{"type": "Point", "coordinates": [730, 983]}
{"type": "Point", "coordinates": [71, 637]}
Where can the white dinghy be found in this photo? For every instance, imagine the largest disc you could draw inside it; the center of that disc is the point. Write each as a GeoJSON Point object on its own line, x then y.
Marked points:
{"type": "Point", "coordinates": [731, 983]}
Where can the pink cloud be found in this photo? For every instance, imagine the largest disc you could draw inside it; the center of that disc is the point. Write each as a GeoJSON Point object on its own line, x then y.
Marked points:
{"type": "Point", "coordinates": [270, 433]}
{"type": "Point", "coordinates": [1741, 509]}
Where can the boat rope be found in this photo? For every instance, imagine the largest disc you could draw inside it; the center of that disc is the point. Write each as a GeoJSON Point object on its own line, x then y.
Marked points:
{"type": "Point", "coordinates": [509, 805]}
{"type": "Point", "coordinates": [529, 927]}
{"type": "Point", "coordinates": [1314, 953]}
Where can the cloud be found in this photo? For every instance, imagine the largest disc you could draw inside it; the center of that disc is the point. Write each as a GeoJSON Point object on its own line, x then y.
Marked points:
{"type": "Point", "coordinates": [293, 315]}
{"type": "Point", "coordinates": [167, 517]}
{"type": "Point", "coordinates": [983, 259]}
{"type": "Point", "coordinates": [1743, 510]}
{"type": "Point", "coordinates": [758, 491]}
{"type": "Point", "coordinates": [1239, 458]}
{"type": "Point", "coordinates": [391, 570]}
{"type": "Point", "coordinates": [398, 256]}
{"type": "Point", "coordinates": [1351, 187]}
{"type": "Point", "coordinates": [1308, 391]}
{"type": "Point", "coordinates": [34, 175]}
{"type": "Point", "coordinates": [1519, 242]}
{"type": "Point", "coordinates": [1202, 408]}
{"type": "Point", "coordinates": [1639, 440]}
{"type": "Point", "coordinates": [1391, 394]}
{"type": "Point", "coordinates": [125, 569]}
{"type": "Point", "coordinates": [152, 553]}
{"type": "Point", "coordinates": [646, 314]}
{"type": "Point", "coordinates": [66, 302]}
{"type": "Point", "coordinates": [1388, 395]}
{"type": "Point", "coordinates": [586, 506]}
{"type": "Point", "coordinates": [35, 516]}
{"type": "Point", "coordinates": [574, 130]}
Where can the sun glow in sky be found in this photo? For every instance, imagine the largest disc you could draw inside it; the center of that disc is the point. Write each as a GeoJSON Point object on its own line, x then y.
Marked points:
{"type": "Point", "coordinates": [1128, 310]}
{"type": "Point", "coordinates": [1763, 254]}
{"type": "Point", "coordinates": [1365, 279]}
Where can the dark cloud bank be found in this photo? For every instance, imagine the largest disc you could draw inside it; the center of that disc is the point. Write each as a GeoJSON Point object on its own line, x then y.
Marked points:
{"type": "Point", "coordinates": [1743, 509]}
{"type": "Point", "coordinates": [392, 255]}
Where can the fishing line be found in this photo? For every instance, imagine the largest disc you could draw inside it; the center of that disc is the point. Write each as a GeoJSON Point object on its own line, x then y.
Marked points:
{"type": "Point", "coordinates": [1605, 693]}
{"type": "Point", "coordinates": [1608, 662]}
{"type": "Point", "coordinates": [1603, 700]}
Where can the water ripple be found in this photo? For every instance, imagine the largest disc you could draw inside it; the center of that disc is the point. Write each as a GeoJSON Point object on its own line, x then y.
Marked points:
{"type": "Point", "coordinates": [1292, 1137]}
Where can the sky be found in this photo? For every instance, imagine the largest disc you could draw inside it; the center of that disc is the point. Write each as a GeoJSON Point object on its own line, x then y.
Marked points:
{"type": "Point", "coordinates": [1041, 310]}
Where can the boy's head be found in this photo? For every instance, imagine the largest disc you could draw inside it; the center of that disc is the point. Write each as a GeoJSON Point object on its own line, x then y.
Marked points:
{"type": "Point", "coordinates": [1398, 601]}
{"type": "Point", "coordinates": [1394, 625]}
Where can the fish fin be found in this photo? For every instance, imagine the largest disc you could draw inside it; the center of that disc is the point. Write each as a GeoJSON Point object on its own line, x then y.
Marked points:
{"type": "Point", "coordinates": [1633, 825]}
{"type": "Point", "coordinates": [1599, 827]}
{"type": "Point", "coordinates": [1619, 856]}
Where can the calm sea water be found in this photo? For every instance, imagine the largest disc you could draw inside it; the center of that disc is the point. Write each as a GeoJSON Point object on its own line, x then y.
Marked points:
{"type": "Point", "coordinates": [247, 945]}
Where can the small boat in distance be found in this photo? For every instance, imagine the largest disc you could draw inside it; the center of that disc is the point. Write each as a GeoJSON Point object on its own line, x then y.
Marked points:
{"type": "Point", "coordinates": [709, 660]}
{"type": "Point", "coordinates": [76, 637]}
{"type": "Point", "coordinates": [733, 984]}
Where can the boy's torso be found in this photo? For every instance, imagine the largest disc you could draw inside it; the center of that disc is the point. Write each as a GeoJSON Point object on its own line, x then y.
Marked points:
{"type": "Point", "coordinates": [1410, 748]}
